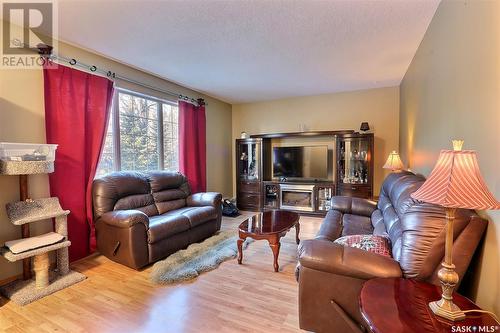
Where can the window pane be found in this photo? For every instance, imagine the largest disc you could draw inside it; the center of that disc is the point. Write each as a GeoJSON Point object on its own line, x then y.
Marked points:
{"type": "Point", "coordinates": [139, 136]}
{"type": "Point", "coordinates": [138, 133]}
{"type": "Point", "coordinates": [170, 135]}
{"type": "Point", "coordinates": [106, 163]}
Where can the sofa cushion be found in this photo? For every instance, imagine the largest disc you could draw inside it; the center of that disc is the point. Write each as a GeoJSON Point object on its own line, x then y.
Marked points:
{"type": "Point", "coordinates": [378, 224]}
{"type": "Point", "coordinates": [196, 215]}
{"type": "Point", "coordinates": [331, 227]}
{"type": "Point", "coordinates": [422, 242]}
{"type": "Point", "coordinates": [376, 244]}
{"type": "Point", "coordinates": [169, 189]}
{"type": "Point", "coordinates": [356, 225]}
{"type": "Point", "coordinates": [395, 201]}
{"type": "Point", "coordinates": [121, 191]}
{"type": "Point", "coordinates": [166, 225]}
{"type": "Point", "coordinates": [164, 180]}
{"type": "Point", "coordinates": [142, 202]}
{"type": "Point", "coordinates": [166, 206]}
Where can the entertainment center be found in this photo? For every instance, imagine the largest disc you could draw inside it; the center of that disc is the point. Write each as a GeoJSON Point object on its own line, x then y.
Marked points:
{"type": "Point", "coordinates": [301, 171]}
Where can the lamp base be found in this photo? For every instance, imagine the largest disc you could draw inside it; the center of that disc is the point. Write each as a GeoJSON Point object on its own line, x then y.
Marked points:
{"type": "Point", "coordinates": [447, 309]}
{"type": "Point", "coordinates": [448, 277]}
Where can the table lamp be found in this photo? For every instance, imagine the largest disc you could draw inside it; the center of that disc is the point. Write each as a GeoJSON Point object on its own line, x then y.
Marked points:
{"type": "Point", "coordinates": [393, 162]}
{"type": "Point", "coordinates": [455, 182]}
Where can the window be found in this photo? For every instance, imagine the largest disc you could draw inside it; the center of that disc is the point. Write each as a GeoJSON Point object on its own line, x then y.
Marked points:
{"type": "Point", "coordinates": [142, 135]}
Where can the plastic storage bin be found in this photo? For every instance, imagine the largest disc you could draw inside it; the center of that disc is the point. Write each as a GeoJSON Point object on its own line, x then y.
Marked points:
{"type": "Point", "coordinates": [27, 152]}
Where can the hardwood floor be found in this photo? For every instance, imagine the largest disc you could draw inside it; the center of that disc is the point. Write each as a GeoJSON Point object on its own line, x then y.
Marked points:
{"type": "Point", "coordinates": [233, 298]}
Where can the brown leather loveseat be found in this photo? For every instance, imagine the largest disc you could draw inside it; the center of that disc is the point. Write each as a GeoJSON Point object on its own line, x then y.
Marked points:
{"type": "Point", "coordinates": [331, 276]}
{"type": "Point", "coordinates": [143, 217]}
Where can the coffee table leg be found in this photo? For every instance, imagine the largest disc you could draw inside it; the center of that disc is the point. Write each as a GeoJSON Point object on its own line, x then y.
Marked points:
{"type": "Point", "coordinates": [240, 250]}
{"type": "Point", "coordinates": [275, 246]}
{"type": "Point", "coordinates": [297, 230]}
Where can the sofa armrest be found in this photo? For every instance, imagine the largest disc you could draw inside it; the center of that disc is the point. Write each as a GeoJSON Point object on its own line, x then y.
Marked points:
{"type": "Point", "coordinates": [205, 199]}
{"type": "Point", "coordinates": [351, 205]}
{"type": "Point", "coordinates": [333, 258]}
{"type": "Point", "coordinates": [124, 218]}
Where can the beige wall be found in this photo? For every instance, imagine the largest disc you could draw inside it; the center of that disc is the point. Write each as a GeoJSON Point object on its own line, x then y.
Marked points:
{"type": "Point", "coordinates": [452, 90]}
{"type": "Point", "coordinates": [380, 107]}
{"type": "Point", "coordinates": [22, 120]}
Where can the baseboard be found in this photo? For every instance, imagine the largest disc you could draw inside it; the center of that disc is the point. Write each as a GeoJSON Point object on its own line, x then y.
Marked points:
{"type": "Point", "coordinates": [10, 279]}
{"type": "Point", "coordinates": [52, 266]}
{"type": "Point", "coordinates": [20, 276]}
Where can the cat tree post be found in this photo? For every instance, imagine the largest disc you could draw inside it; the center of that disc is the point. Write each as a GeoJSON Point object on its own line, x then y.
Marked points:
{"type": "Point", "coordinates": [25, 228]}
{"type": "Point", "coordinates": [62, 254]}
{"type": "Point", "coordinates": [41, 264]}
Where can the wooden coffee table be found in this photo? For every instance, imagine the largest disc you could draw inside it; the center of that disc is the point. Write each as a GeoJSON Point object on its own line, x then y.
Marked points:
{"type": "Point", "coordinates": [270, 225]}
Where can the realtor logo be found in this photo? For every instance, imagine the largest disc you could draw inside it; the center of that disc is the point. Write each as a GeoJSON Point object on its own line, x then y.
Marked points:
{"type": "Point", "coordinates": [25, 25]}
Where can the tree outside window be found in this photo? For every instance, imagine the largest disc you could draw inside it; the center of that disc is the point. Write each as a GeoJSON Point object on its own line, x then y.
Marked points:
{"type": "Point", "coordinates": [142, 135]}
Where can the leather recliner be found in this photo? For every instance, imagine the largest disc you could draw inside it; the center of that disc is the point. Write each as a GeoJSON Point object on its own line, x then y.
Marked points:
{"type": "Point", "coordinates": [331, 276]}
{"type": "Point", "coordinates": [143, 217]}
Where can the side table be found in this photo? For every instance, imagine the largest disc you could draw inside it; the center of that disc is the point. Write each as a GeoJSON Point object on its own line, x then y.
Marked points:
{"type": "Point", "coordinates": [398, 305]}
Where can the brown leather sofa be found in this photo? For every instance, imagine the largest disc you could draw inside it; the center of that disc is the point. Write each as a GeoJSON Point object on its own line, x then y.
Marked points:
{"type": "Point", "coordinates": [143, 217]}
{"type": "Point", "coordinates": [331, 276]}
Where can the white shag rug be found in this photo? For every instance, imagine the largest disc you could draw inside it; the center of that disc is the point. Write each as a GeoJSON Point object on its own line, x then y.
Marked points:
{"type": "Point", "coordinates": [197, 258]}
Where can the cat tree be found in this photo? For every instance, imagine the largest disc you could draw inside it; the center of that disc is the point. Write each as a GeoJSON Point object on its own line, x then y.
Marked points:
{"type": "Point", "coordinates": [36, 248]}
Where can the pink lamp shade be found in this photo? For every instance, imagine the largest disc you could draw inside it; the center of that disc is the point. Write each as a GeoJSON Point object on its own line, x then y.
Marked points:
{"type": "Point", "coordinates": [393, 162]}
{"type": "Point", "coordinates": [456, 182]}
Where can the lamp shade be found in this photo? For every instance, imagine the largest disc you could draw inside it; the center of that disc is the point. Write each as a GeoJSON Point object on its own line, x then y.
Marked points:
{"type": "Point", "coordinates": [364, 126]}
{"type": "Point", "coordinates": [456, 182]}
{"type": "Point", "coordinates": [393, 162]}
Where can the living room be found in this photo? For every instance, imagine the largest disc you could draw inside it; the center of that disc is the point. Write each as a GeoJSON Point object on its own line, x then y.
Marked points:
{"type": "Point", "coordinates": [101, 233]}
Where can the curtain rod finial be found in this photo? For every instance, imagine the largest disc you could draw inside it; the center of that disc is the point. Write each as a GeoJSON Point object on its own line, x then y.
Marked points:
{"type": "Point", "coordinates": [201, 101]}
{"type": "Point", "coordinates": [44, 50]}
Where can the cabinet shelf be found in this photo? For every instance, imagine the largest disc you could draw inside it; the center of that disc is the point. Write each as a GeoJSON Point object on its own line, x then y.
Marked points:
{"type": "Point", "coordinates": [354, 159]}
{"type": "Point", "coordinates": [22, 212]}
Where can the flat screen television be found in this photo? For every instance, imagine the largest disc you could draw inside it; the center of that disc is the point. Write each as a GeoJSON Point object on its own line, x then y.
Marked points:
{"type": "Point", "coordinates": [301, 163]}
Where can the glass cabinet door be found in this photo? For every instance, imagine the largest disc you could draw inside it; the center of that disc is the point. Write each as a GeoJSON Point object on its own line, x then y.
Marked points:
{"type": "Point", "coordinates": [354, 161]}
{"type": "Point", "coordinates": [325, 194]}
{"type": "Point", "coordinates": [249, 155]}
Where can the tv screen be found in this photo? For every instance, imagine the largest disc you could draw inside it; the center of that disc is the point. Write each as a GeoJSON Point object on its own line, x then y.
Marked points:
{"type": "Point", "coordinates": [307, 162]}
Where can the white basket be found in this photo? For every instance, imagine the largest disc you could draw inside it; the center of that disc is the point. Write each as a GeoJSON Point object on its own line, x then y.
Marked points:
{"type": "Point", "coordinates": [27, 152]}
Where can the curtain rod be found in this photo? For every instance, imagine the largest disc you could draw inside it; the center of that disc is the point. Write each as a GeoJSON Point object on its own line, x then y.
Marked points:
{"type": "Point", "coordinates": [45, 51]}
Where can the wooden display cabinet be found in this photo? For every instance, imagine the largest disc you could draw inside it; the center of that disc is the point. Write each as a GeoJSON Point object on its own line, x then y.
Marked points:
{"type": "Point", "coordinates": [355, 165]}
{"type": "Point", "coordinates": [250, 173]}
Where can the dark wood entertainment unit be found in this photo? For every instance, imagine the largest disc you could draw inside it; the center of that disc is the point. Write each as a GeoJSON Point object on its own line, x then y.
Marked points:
{"type": "Point", "coordinates": [350, 171]}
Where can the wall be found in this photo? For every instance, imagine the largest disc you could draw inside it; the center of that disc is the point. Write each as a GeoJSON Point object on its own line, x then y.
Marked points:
{"type": "Point", "coordinates": [451, 90]}
{"type": "Point", "coordinates": [22, 120]}
{"type": "Point", "coordinates": [380, 107]}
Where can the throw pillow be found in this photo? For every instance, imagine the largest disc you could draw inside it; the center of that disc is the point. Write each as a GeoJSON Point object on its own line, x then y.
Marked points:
{"type": "Point", "coordinates": [370, 243]}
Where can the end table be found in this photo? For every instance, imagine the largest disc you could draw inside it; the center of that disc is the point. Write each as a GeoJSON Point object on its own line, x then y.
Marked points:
{"type": "Point", "coordinates": [398, 305]}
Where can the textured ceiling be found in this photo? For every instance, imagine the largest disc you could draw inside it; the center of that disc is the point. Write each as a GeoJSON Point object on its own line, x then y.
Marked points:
{"type": "Point", "coordinates": [246, 51]}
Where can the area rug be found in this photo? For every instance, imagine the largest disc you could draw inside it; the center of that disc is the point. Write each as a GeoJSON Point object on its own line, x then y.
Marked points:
{"type": "Point", "coordinates": [197, 258]}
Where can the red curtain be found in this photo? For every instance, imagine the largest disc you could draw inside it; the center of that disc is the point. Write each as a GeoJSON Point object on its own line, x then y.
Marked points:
{"type": "Point", "coordinates": [192, 145]}
{"type": "Point", "coordinates": [77, 106]}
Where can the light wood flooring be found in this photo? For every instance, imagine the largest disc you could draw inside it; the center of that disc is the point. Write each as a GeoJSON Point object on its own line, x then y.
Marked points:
{"type": "Point", "coordinates": [233, 298]}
